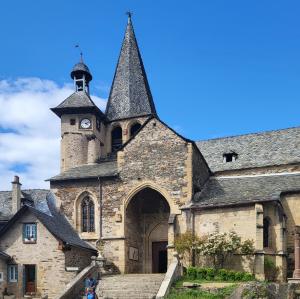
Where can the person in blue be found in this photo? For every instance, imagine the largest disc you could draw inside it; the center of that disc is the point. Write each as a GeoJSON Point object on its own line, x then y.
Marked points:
{"type": "Point", "coordinates": [90, 284]}
{"type": "Point", "coordinates": [91, 294]}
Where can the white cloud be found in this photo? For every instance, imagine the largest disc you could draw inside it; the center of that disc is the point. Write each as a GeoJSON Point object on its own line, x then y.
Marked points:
{"type": "Point", "coordinates": [29, 131]}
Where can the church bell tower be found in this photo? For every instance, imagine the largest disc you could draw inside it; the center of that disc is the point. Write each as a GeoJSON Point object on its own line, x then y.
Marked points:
{"type": "Point", "coordinates": [82, 128]}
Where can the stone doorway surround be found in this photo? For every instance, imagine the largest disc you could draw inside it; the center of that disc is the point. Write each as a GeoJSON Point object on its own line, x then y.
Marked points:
{"type": "Point", "coordinates": [146, 222]}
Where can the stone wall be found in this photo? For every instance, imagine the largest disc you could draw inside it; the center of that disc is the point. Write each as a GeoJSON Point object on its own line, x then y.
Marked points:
{"type": "Point", "coordinates": [80, 146]}
{"type": "Point", "coordinates": [69, 195]}
{"type": "Point", "coordinates": [291, 207]}
{"type": "Point", "coordinates": [45, 254]}
{"type": "Point", "coordinates": [3, 270]}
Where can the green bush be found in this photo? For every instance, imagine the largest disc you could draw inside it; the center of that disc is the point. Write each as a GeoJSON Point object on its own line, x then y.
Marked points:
{"type": "Point", "coordinates": [210, 273]}
{"type": "Point", "coordinates": [201, 273]}
{"type": "Point", "coordinates": [238, 276]}
{"type": "Point", "coordinates": [271, 271]}
{"type": "Point", "coordinates": [218, 275]}
{"type": "Point", "coordinates": [247, 276]}
{"type": "Point", "coordinates": [223, 273]}
{"type": "Point", "coordinates": [192, 272]}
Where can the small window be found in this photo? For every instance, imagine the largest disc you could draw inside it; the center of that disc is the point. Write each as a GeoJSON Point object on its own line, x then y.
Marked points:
{"type": "Point", "coordinates": [266, 232]}
{"type": "Point", "coordinates": [88, 215]}
{"type": "Point", "coordinates": [72, 122]}
{"type": "Point", "coordinates": [1, 277]}
{"type": "Point", "coordinates": [29, 233]}
{"type": "Point", "coordinates": [116, 139]}
{"type": "Point", "coordinates": [12, 273]}
{"type": "Point", "coordinates": [134, 129]}
{"type": "Point", "coordinates": [229, 157]}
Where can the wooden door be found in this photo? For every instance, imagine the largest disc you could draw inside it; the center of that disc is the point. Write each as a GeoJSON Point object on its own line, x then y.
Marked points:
{"type": "Point", "coordinates": [159, 257]}
{"type": "Point", "coordinates": [30, 283]}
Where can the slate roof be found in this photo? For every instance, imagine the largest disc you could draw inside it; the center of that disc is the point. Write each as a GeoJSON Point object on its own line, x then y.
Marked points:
{"type": "Point", "coordinates": [36, 197]}
{"type": "Point", "coordinates": [254, 150]}
{"type": "Point", "coordinates": [130, 94]}
{"type": "Point", "coordinates": [80, 67]}
{"type": "Point", "coordinates": [79, 100]}
{"type": "Point", "coordinates": [103, 169]}
{"type": "Point", "coordinates": [220, 191]}
{"type": "Point", "coordinates": [54, 221]}
{"type": "Point", "coordinates": [4, 256]}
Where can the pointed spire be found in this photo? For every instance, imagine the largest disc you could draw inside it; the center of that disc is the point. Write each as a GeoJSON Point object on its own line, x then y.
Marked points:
{"type": "Point", "coordinates": [130, 95]}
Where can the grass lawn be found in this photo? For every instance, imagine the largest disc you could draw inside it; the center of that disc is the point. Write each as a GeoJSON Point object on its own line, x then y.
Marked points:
{"type": "Point", "coordinates": [190, 294]}
{"type": "Point", "coordinates": [219, 289]}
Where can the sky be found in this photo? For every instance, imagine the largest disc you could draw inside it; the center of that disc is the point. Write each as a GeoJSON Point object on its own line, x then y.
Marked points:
{"type": "Point", "coordinates": [216, 68]}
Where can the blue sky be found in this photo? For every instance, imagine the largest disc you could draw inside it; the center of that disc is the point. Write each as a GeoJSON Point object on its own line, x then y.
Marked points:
{"type": "Point", "coordinates": [215, 68]}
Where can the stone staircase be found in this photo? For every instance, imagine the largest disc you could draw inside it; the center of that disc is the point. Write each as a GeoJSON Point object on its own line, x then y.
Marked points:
{"type": "Point", "coordinates": [133, 286]}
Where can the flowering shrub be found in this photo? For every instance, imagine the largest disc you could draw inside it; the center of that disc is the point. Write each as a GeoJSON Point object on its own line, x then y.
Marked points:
{"type": "Point", "coordinates": [220, 246]}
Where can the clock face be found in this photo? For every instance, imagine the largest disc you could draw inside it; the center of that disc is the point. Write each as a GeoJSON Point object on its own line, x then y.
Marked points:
{"type": "Point", "coordinates": [85, 123]}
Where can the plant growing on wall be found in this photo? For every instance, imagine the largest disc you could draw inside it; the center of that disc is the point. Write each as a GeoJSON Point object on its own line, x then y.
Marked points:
{"type": "Point", "coordinates": [221, 246]}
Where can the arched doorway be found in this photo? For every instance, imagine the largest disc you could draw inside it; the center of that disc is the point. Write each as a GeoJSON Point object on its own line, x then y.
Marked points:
{"type": "Point", "coordinates": [146, 232]}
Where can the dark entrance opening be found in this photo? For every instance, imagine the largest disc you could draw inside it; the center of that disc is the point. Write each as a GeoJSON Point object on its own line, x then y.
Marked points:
{"type": "Point", "coordinates": [29, 279]}
{"type": "Point", "coordinates": [159, 257]}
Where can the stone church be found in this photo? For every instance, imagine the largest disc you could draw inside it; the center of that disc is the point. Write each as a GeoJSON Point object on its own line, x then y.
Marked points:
{"type": "Point", "coordinates": [129, 184]}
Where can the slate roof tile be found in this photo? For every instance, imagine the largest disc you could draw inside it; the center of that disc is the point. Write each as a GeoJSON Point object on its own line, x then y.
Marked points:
{"type": "Point", "coordinates": [245, 189]}
{"type": "Point", "coordinates": [103, 169]}
{"type": "Point", "coordinates": [130, 94]}
{"type": "Point", "coordinates": [254, 150]}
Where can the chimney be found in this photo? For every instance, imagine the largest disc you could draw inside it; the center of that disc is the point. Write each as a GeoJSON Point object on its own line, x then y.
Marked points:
{"type": "Point", "coordinates": [16, 195]}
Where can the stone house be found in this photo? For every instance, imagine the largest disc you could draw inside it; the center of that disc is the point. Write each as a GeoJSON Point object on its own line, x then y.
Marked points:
{"type": "Point", "coordinates": [40, 252]}
{"type": "Point", "coordinates": [129, 183]}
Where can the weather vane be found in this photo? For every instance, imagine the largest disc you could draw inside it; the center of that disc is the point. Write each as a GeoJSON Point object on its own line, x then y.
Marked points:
{"type": "Point", "coordinates": [78, 46]}
{"type": "Point", "coordinates": [129, 14]}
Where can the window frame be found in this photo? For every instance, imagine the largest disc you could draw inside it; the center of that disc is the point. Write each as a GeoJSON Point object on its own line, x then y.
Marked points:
{"type": "Point", "coordinates": [87, 210]}
{"type": "Point", "coordinates": [33, 232]}
{"type": "Point", "coordinates": [13, 273]}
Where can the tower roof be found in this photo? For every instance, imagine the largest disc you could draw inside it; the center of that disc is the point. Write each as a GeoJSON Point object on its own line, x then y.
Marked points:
{"type": "Point", "coordinates": [130, 94]}
{"type": "Point", "coordinates": [81, 67]}
{"type": "Point", "coordinates": [78, 102]}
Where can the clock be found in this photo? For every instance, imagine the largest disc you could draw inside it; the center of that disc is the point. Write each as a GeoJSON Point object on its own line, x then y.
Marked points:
{"type": "Point", "coordinates": [85, 123]}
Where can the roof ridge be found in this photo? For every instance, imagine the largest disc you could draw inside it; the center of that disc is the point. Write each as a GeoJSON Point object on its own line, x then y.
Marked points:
{"type": "Point", "coordinates": [247, 134]}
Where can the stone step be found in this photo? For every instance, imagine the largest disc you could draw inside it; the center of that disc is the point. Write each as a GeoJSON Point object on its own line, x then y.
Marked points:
{"type": "Point", "coordinates": [129, 286]}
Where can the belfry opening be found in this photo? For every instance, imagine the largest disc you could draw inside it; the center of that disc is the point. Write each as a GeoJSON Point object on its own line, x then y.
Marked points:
{"type": "Point", "coordinates": [146, 232]}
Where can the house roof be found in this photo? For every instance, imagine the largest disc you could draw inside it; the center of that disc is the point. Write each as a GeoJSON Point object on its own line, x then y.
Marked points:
{"type": "Point", "coordinates": [4, 256]}
{"type": "Point", "coordinates": [89, 171]}
{"type": "Point", "coordinates": [130, 94]}
{"type": "Point", "coordinates": [253, 150]}
{"type": "Point", "coordinates": [219, 191]}
{"type": "Point", "coordinates": [54, 221]}
{"type": "Point", "coordinates": [78, 101]}
{"type": "Point", "coordinates": [36, 197]}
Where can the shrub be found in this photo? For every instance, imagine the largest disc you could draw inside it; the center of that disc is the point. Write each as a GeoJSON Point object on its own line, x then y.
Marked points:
{"type": "Point", "coordinates": [221, 246]}
{"type": "Point", "coordinates": [247, 276]}
{"type": "Point", "coordinates": [271, 271]}
{"type": "Point", "coordinates": [223, 273]}
{"type": "Point", "coordinates": [201, 273]}
{"type": "Point", "coordinates": [192, 272]}
{"type": "Point", "coordinates": [210, 273]}
{"type": "Point", "coordinates": [186, 244]}
{"type": "Point", "coordinates": [238, 276]}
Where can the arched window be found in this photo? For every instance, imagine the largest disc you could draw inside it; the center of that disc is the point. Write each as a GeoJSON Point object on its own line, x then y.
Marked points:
{"type": "Point", "coordinates": [88, 215]}
{"type": "Point", "coordinates": [134, 129]}
{"type": "Point", "coordinates": [116, 138]}
{"type": "Point", "coordinates": [266, 232]}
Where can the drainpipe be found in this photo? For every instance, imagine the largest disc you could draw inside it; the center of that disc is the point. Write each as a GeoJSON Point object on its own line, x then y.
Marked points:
{"type": "Point", "coordinates": [100, 207]}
